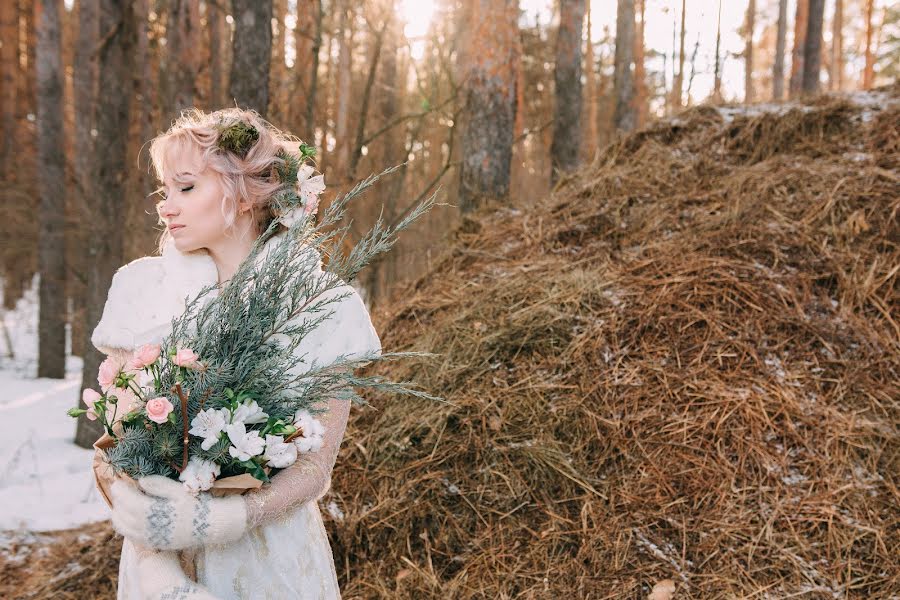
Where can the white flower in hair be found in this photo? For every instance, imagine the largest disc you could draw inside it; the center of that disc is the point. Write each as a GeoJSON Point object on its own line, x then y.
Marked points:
{"type": "Point", "coordinates": [247, 444]}
{"type": "Point", "coordinates": [278, 453]}
{"type": "Point", "coordinates": [313, 431]}
{"type": "Point", "coordinates": [199, 475]}
{"type": "Point", "coordinates": [310, 188]}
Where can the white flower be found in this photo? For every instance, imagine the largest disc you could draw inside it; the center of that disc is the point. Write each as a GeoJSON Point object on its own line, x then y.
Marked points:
{"type": "Point", "coordinates": [246, 444]}
{"type": "Point", "coordinates": [199, 474]}
{"type": "Point", "coordinates": [311, 188]}
{"type": "Point", "coordinates": [278, 454]}
{"type": "Point", "coordinates": [249, 412]}
{"type": "Point", "coordinates": [313, 432]}
{"type": "Point", "coordinates": [209, 424]}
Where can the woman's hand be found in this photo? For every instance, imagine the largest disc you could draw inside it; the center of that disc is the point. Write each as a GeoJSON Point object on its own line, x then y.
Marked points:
{"type": "Point", "coordinates": [160, 577]}
{"type": "Point", "coordinates": [168, 517]}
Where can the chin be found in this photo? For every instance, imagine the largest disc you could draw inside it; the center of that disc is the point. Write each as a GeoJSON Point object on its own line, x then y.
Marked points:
{"type": "Point", "coordinates": [184, 245]}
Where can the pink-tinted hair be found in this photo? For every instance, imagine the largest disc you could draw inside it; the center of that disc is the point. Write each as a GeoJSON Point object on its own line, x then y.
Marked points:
{"type": "Point", "coordinates": [250, 178]}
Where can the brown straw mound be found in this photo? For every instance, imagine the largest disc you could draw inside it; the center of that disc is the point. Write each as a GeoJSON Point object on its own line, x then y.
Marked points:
{"type": "Point", "coordinates": [682, 366]}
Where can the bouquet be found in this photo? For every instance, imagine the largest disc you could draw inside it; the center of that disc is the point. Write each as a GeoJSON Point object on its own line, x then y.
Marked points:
{"type": "Point", "coordinates": [224, 401]}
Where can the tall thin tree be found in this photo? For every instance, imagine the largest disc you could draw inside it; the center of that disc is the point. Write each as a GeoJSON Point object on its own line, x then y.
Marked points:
{"type": "Point", "coordinates": [836, 64]}
{"type": "Point", "coordinates": [678, 82]}
{"type": "Point", "coordinates": [491, 29]}
{"type": "Point", "coordinates": [52, 190]}
{"type": "Point", "coordinates": [717, 74]}
{"type": "Point", "coordinates": [623, 82]}
{"type": "Point", "coordinates": [640, 75]}
{"type": "Point", "coordinates": [9, 49]}
{"type": "Point", "coordinates": [812, 52]}
{"type": "Point", "coordinates": [780, 43]}
{"type": "Point", "coordinates": [567, 109]}
{"type": "Point", "coordinates": [801, 16]}
{"type": "Point", "coordinates": [869, 69]}
{"type": "Point", "coordinates": [748, 51]}
{"type": "Point", "coordinates": [115, 48]}
{"type": "Point", "coordinates": [252, 47]}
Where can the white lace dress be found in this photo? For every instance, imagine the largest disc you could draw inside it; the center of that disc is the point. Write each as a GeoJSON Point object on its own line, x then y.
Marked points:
{"type": "Point", "coordinates": [287, 554]}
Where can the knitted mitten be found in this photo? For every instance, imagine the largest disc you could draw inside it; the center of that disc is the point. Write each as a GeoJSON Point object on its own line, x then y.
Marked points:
{"type": "Point", "coordinates": [168, 517]}
{"type": "Point", "coordinates": [161, 578]}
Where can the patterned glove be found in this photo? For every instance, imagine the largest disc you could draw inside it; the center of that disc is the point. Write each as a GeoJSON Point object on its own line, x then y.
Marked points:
{"type": "Point", "coordinates": [161, 578]}
{"type": "Point", "coordinates": [170, 518]}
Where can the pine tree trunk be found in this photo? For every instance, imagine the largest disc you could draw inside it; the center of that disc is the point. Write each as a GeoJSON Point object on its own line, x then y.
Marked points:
{"type": "Point", "coordinates": [623, 84]}
{"type": "Point", "coordinates": [9, 66]}
{"type": "Point", "coordinates": [812, 53]}
{"type": "Point", "coordinates": [801, 17]}
{"type": "Point", "coordinates": [344, 91]}
{"type": "Point", "coordinates": [278, 67]}
{"type": "Point", "coordinates": [748, 52]}
{"type": "Point", "coordinates": [107, 211]}
{"type": "Point", "coordinates": [52, 190]}
{"type": "Point", "coordinates": [589, 141]}
{"type": "Point", "coordinates": [490, 88]}
{"type": "Point", "coordinates": [678, 84]}
{"type": "Point", "coordinates": [869, 70]}
{"type": "Point", "coordinates": [780, 43]}
{"type": "Point", "coordinates": [84, 84]}
{"type": "Point", "coordinates": [217, 36]}
{"type": "Point", "coordinates": [314, 72]}
{"type": "Point", "coordinates": [717, 70]}
{"type": "Point", "coordinates": [640, 76]}
{"type": "Point", "coordinates": [251, 50]}
{"type": "Point", "coordinates": [836, 66]}
{"type": "Point", "coordinates": [567, 109]}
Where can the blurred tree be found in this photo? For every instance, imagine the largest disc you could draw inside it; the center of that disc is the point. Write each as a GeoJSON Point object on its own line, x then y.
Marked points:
{"type": "Point", "coordinates": [251, 53]}
{"type": "Point", "coordinates": [780, 43]}
{"type": "Point", "coordinates": [801, 16]}
{"type": "Point", "coordinates": [749, 27]}
{"type": "Point", "coordinates": [836, 64]}
{"type": "Point", "coordinates": [812, 54]}
{"type": "Point", "coordinates": [623, 115]}
{"type": "Point", "coordinates": [489, 63]}
{"type": "Point", "coordinates": [640, 75]}
{"type": "Point", "coordinates": [115, 48]}
{"type": "Point", "coordinates": [567, 74]}
{"type": "Point", "coordinates": [869, 70]}
{"type": "Point", "coordinates": [52, 190]}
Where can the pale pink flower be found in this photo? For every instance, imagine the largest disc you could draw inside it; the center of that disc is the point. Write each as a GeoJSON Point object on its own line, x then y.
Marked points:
{"type": "Point", "coordinates": [109, 370]}
{"type": "Point", "coordinates": [91, 415]}
{"type": "Point", "coordinates": [90, 397]}
{"type": "Point", "coordinates": [158, 409]}
{"type": "Point", "coordinates": [311, 188]}
{"type": "Point", "coordinates": [186, 357]}
{"type": "Point", "coordinates": [144, 356]}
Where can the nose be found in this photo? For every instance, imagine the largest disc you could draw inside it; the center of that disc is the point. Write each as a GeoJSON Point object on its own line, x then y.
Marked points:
{"type": "Point", "coordinates": [166, 209]}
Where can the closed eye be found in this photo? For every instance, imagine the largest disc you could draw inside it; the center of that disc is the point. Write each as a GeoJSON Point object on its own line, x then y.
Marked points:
{"type": "Point", "coordinates": [188, 188]}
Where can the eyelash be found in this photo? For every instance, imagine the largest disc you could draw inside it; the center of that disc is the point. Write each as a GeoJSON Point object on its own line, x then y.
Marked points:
{"type": "Point", "coordinates": [164, 195]}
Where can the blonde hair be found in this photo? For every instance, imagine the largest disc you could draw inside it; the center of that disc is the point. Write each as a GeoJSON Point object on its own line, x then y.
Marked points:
{"type": "Point", "coordinates": [252, 178]}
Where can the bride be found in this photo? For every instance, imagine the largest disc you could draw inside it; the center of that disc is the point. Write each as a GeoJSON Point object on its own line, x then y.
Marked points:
{"type": "Point", "coordinates": [269, 542]}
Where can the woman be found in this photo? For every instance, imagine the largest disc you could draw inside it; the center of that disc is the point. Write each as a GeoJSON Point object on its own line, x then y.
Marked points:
{"type": "Point", "coordinates": [266, 543]}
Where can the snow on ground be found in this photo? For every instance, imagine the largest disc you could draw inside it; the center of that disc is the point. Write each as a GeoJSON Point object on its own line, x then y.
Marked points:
{"type": "Point", "coordinates": [46, 480]}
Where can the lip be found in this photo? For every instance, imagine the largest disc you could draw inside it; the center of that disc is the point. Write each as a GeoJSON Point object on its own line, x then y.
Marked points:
{"type": "Point", "coordinates": [174, 227]}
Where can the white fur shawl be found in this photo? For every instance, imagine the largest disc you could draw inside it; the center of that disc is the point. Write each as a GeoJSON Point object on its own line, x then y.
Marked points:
{"type": "Point", "coordinates": [147, 293]}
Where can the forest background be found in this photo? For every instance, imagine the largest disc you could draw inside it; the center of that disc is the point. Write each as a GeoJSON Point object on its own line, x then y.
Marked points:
{"type": "Point", "coordinates": [492, 100]}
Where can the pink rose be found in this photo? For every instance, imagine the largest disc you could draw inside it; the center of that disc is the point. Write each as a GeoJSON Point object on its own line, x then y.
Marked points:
{"type": "Point", "coordinates": [90, 397]}
{"type": "Point", "coordinates": [145, 356]}
{"type": "Point", "coordinates": [91, 415]}
{"type": "Point", "coordinates": [186, 358]}
{"type": "Point", "coordinates": [106, 375]}
{"type": "Point", "coordinates": [158, 409]}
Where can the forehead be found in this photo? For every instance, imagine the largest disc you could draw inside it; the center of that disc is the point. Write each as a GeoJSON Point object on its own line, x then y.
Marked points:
{"type": "Point", "coordinates": [182, 160]}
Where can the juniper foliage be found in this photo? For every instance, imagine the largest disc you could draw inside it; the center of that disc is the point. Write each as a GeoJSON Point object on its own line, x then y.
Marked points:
{"type": "Point", "coordinates": [249, 333]}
